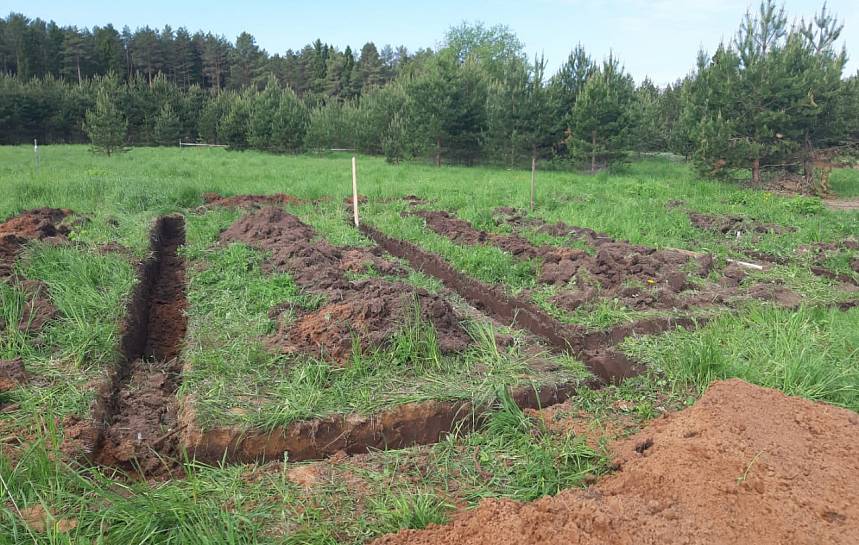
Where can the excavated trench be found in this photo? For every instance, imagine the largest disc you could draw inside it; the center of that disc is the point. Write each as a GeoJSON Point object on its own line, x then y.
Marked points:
{"type": "Point", "coordinates": [137, 415]}
{"type": "Point", "coordinates": [593, 348]}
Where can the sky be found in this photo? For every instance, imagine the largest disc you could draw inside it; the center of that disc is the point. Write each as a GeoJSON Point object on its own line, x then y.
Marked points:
{"type": "Point", "coordinates": [655, 38]}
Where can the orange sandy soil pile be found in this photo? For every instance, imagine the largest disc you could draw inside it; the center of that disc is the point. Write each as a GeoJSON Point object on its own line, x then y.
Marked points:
{"type": "Point", "coordinates": [744, 465]}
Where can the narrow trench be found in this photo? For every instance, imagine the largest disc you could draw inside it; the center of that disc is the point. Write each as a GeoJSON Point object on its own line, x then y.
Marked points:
{"type": "Point", "coordinates": [138, 413]}
{"type": "Point", "coordinates": [594, 348]}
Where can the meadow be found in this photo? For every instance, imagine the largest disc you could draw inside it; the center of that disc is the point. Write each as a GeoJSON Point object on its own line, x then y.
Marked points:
{"type": "Point", "coordinates": [495, 445]}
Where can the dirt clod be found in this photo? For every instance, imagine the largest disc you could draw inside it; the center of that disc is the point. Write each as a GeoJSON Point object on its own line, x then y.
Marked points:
{"type": "Point", "coordinates": [12, 374]}
{"type": "Point", "coordinates": [761, 468]}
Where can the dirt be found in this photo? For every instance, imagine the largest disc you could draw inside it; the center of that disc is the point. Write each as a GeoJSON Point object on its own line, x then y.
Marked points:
{"type": "Point", "coordinates": [140, 412]}
{"type": "Point", "coordinates": [775, 293]}
{"type": "Point", "coordinates": [842, 205]}
{"type": "Point", "coordinates": [405, 425]}
{"type": "Point", "coordinates": [743, 465]}
{"type": "Point", "coordinates": [248, 201]}
{"type": "Point", "coordinates": [12, 374]}
{"type": "Point", "coordinates": [45, 224]}
{"type": "Point", "coordinates": [37, 224]}
{"type": "Point", "coordinates": [731, 225]}
{"type": "Point", "coordinates": [639, 277]}
{"type": "Point", "coordinates": [593, 348]}
{"type": "Point", "coordinates": [372, 310]}
{"type": "Point", "coordinates": [518, 219]}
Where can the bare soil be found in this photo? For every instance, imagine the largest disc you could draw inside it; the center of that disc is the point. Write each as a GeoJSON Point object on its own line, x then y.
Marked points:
{"type": "Point", "coordinates": [731, 225]}
{"type": "Point", "coordinates": [640, 277]}
{"type": "Point", "coordinates": [37, 224]}
{"type": "Point", "coordinates": [371, 310]}
{"type": "Point", "coordinates": [743, 465]}
{"type": "Point", "coordinates": [248, 201]}
{"type": "Point", "coordinates": [45, 224]}
{"type": "Point", "coordinates": [139, 412]}
{"type": "Point", "coordinates": [12, 374]}
{"type": "Point", "coordinates": [592, 347]}
{"type": "Point", "coordinates": [406, 425]}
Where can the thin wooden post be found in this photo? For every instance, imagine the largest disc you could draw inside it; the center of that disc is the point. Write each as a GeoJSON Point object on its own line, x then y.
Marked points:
{"type": "Point", "coordinates": [36, 152]}
{"type": "Point", "coordinates": [355, 190]}
{"type": "Point", "coordinates": [533, 173]}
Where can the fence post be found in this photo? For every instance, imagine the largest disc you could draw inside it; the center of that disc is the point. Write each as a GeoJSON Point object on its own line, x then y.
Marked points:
{"type": "Point", "coordinates": [533, 172]}
{"type": "Point", "coordinates": [355, 190]}
{"type": "Point", "coordinates": [36, 152]}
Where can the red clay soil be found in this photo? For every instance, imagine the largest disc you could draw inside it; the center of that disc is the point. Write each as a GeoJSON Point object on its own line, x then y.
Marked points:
{"type": "Point", "coordinates": [238, 201]}
{"type": "Point", "coordinates": [744, 465]}
{"type": "Point", "coordinates": [141, 411]}
{"type": "Point", "coordinates": [372, 310]}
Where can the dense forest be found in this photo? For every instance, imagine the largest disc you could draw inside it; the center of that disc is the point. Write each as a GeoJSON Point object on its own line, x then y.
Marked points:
{"type": "Point", "coordinates": [773, 98]}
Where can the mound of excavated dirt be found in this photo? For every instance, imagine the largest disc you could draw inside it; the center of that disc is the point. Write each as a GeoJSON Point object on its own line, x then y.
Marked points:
{"type": "Point", "coordinates": [36, 224]}
{"type": "Point", "coordinates": [638, 276]}
{"type": "Point", "coordinates": [733, 224]}
{"type": "Point", "coordinates": [12, 374]}
{"type": "Point", "coordinates": [214, 199]}
{"type": "Point", "coordinates": [744, 465]}
{"type": "Point", "coordinates": [371, 310]}
{"type": "Point", "coordinates": [518, 219]}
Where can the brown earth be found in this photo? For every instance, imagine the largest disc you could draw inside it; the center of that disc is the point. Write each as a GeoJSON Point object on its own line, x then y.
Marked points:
{"type": "Point", "coordinates": [743, 465]}
{"type": "Point", "coordinates": [518, 219]}
{"type": "Point", "coordinates": [594, 348]}
{"type": "Point", "coordinates": [372, 310]}
{"type": "Point", "coordinates": [215, 199]}
{"type": "Point", "coordinates": [12, 374]}
{"type": "Point", "coordinates": [36, 224]}
{"type": "Point", "coordinates": [140, 412]}
{"type": "Point", "coordinates": [731, 225]}
{"type": "Point", "coordinates": [44, 224]}
{"type": "Point", "coordinates": [640, 277]}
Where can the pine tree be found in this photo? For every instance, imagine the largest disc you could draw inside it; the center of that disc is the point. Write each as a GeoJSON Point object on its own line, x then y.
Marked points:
{"type": "Point", "coordinates": [602, 118]}
{"type": "Point", "coordinates": [104, 124]}
{"type": "Point", "coordinates": [168, 127]}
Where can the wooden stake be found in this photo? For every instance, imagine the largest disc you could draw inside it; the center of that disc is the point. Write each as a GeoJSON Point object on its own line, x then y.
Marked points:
{"type": "Point", "coordinates": [355, 190]}
{"type": "Point", "coordinates": [533, 171]}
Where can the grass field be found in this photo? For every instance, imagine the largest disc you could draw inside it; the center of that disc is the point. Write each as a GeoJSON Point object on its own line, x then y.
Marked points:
{"type": "Point", "coordinates": [809, 349]}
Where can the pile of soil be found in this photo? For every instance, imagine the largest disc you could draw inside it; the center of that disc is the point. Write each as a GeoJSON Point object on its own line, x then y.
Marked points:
{"type": "Point", "coordinates": [518, 219]}
{"type": "Point", "coordinates": [45, 224]}
{"type": "Point", "coordinates": [237, 201]}
{"type": "Point", "coordinates": [638, 276]}
{"type": "Point", "coordinates": [36, 224]}
{"type": "Point", "coordinates": [370, 310]}
{"type": "Point", "coordinates": [731, 225]}
{"type": "Point", "coordinates": [12, 374]}
{"type": "Point", "coordinates": [744, 465]}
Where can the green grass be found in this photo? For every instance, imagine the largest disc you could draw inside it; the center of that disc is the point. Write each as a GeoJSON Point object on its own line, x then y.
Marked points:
{"type": "Point", "coordinates": [237, 381]}
{"type": "Point", "coordinates": [812, 352]}
{"type": "Point", "coordinates": [845, 182]}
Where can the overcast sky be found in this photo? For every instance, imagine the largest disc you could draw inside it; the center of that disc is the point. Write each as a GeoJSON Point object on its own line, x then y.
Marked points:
{"type": "Point", "coordinates": [658, 38]}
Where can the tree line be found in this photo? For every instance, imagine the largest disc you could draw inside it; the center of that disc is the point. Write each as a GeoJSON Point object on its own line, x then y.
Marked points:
{"type": "Point", "coordinates": [774, 97]}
